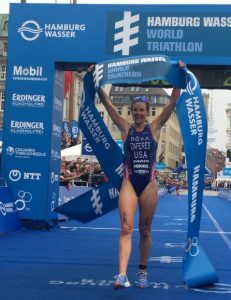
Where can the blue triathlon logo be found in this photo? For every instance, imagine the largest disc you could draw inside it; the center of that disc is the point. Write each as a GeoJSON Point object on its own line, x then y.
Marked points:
{"type": "Point", "coordinates": [126, 32]}
{"type": "Point", "coordinates": [191, 84]}
{"type": "Point", "coordinates": [96, 203]}
{"type": "Point", "coordinates": [98, 74]}
{"type": "Point", "coordinates": [22, 199]}
{"type": "Point", "coordinates": [30, 30]}
{"type": "Point", "coordinates": [2, 209]}
{"type": "Point", "coordinates": [192, 246]}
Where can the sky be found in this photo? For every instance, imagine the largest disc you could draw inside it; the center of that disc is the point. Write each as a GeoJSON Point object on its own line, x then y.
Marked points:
{"type": "Point", "coordinates": [221, 98]}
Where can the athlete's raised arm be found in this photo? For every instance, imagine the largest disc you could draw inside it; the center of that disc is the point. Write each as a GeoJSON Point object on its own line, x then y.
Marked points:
{"type": "Point", "coordinates": [119, 121]}
{"type": "Point", "coordinates": [163, 117]}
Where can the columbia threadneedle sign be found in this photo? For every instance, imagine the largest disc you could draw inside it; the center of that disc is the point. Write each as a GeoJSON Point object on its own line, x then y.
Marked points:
{"type": "Point", "coordinates": [46, 39]}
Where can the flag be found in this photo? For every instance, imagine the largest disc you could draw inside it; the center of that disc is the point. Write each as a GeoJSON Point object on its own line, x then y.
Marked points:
{"type": "Point", "coordinates": [67, 81]}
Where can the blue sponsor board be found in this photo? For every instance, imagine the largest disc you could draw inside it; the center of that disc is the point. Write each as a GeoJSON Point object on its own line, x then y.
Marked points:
{"type": "Point", "coordinates": [120, 144]}
{"type": "Point", "coordinates": [9, 216]}
{"type": "Point", "coordinates": [86, 147]}
{"type": "Point", "coordinates": [67, 129]}
{"type": "Point", "coordinates": [227, 171]}
{"type": "Point", "coordinates": [160, 166]}
{"type": "Point", "coordinates": [75, 131]}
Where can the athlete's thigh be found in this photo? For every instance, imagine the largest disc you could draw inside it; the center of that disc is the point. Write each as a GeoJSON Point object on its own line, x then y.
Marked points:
{"type": "Point", "coordinates": [147, 204]}
{"type": "Point", "coordinates": [128, 202]}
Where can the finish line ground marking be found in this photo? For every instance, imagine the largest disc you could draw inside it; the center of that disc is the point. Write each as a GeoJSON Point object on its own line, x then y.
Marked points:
{"type": "Point", "coordinates": [74, 228]}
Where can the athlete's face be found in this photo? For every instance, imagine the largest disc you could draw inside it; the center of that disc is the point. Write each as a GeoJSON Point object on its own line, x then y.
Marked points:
{"type": "Point", "coordinates": [139, 112]}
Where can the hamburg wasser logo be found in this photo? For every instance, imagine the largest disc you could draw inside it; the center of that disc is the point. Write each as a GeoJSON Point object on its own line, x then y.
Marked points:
{"type": "Point", "coordinates": [30, 30]}
{"type": "Point", "coordinates": [126, 29]}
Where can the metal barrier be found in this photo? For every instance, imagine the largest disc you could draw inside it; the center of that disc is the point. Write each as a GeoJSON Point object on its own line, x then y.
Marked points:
{"type": "Point", "coordinates": [224, 193]}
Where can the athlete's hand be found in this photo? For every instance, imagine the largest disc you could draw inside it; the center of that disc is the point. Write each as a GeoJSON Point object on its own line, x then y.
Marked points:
{"type": "Point", "coordinates": [91, 68]}
{"type": "Point", "coordinates": [181, 64]}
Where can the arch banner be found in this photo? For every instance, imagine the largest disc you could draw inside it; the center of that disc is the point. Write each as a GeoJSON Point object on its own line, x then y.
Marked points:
{"type": "Point", "coordinates": [35, 91]}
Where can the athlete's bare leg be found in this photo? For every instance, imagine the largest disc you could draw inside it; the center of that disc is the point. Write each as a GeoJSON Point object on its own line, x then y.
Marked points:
{"type": "Point", "coordinates": [127, 207]}
{"type": "Point", "coordinates": [147, 205]}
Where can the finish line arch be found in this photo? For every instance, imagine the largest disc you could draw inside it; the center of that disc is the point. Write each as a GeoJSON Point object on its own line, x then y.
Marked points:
{"type": "Point", "coordinates": [44, 40]}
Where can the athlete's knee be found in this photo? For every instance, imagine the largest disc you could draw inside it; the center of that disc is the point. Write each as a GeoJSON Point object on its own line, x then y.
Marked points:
{"type": "Point", "coordinates": [145, 232]}
{"type": "Point", "coordinates": [126, 229]}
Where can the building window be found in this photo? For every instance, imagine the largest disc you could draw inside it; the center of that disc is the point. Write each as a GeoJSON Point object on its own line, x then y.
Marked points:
{"type": "Point", "coordinates": [116, 88]}
{"type": "Point", "coordinates": [2, 100]}
{"type": "Point", "coordinates": [6, 26]}
{"type": "Point", "coordinates": [97, 100]}
{"type": "Point", "coordinates": [119, 110]}
{"type": "Point", "coordinates": [114, 128]}
{"type": "Point", "coordinates": [129, 111]}
{"type": "Point", "coordinates": [121, 89]}
{"type": "Point", "coordinates": [101, 114]}
{"type": "Point", "coordinates": [5, 49]}
{"type": "Point", "coordinates": [3, 72]}
{"type": "Point", "coordinates": [153, 112]}
{"type": "Point", "coordinates": [132, 89]}
{"type": "Point", "coordinates": [153, 99]}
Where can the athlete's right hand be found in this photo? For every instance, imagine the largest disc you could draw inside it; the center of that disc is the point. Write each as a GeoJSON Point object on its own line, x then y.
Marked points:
{"type": "Point", "coordinates": [91, 68]}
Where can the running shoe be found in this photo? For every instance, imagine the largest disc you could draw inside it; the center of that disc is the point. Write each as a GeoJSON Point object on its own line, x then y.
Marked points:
{"type": "Point", "coordinates": [121, 281]}
{"type": "Point", "coordinates": [142, 279]}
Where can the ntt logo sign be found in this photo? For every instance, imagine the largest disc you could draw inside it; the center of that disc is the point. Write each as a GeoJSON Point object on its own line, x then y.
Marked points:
{"type": "Point", "coordinates": [30, 30]}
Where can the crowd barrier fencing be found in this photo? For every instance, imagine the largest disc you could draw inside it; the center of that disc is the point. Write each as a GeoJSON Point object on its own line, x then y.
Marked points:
{"type": "Point", "coordinates": [66, 195]}
{"type": "Point", "coordinates": [224, 193]}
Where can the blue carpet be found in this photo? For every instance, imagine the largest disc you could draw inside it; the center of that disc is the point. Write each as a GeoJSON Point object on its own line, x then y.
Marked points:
{"type": "Point", "coordinates": [78, 261]}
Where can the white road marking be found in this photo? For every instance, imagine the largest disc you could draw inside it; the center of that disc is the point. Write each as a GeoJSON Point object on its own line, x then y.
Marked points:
{"type": "Point", "coordinates": [74, 228]}
{"type": "Point", "coordinates": [219, 229]}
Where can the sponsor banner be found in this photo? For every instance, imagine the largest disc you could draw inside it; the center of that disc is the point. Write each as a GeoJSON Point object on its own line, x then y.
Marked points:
{"type": "Point", "coordinates": [28, 73]}
{"type": "Point", "coordinates": [86, 148]}
{"type": "Point", "coordinates": [9, 217]}
{"type": "Point", "coordinates": [160, 166]}
{"type": "Point", "coordinates": [183, 31]}
{"type": "Point", "coordinates": [28, 134]}
{"type": "Point", "coordinates": [75, 129]}
{"type": "Point", "coordinates": [28, 100]}
{"type": "Point", "coordinates": [191, 33]}
{"type": "Point", "coordinates": [24, 152]}
{"type": "Point", "coordinates": [227, 172]}
{"type": "Point", "coordinates": [120, 144]}
{"type": "Point", "coordinates": [193, 124]}
{"type": "Point", "coordinates": [31, 30]}
{"type": "Point", "coordinates": [26, 127]}
{"type": "Point", "coordinates": [53, 183]}
{"type": "Point", "coordinates": [92, 204]}
{"type": "Point", "coordinates": [98, 136]}
{"type": "Point", "coordinates": [138, 69]}
{"type": "Point", "coordinates": [56, 131]}
{"type": "Point", "coordinates": [67, 129]}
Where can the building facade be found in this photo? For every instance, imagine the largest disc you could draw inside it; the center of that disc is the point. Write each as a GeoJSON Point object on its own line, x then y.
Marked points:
{"type": "Point", "coordinates": [215, 161]}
